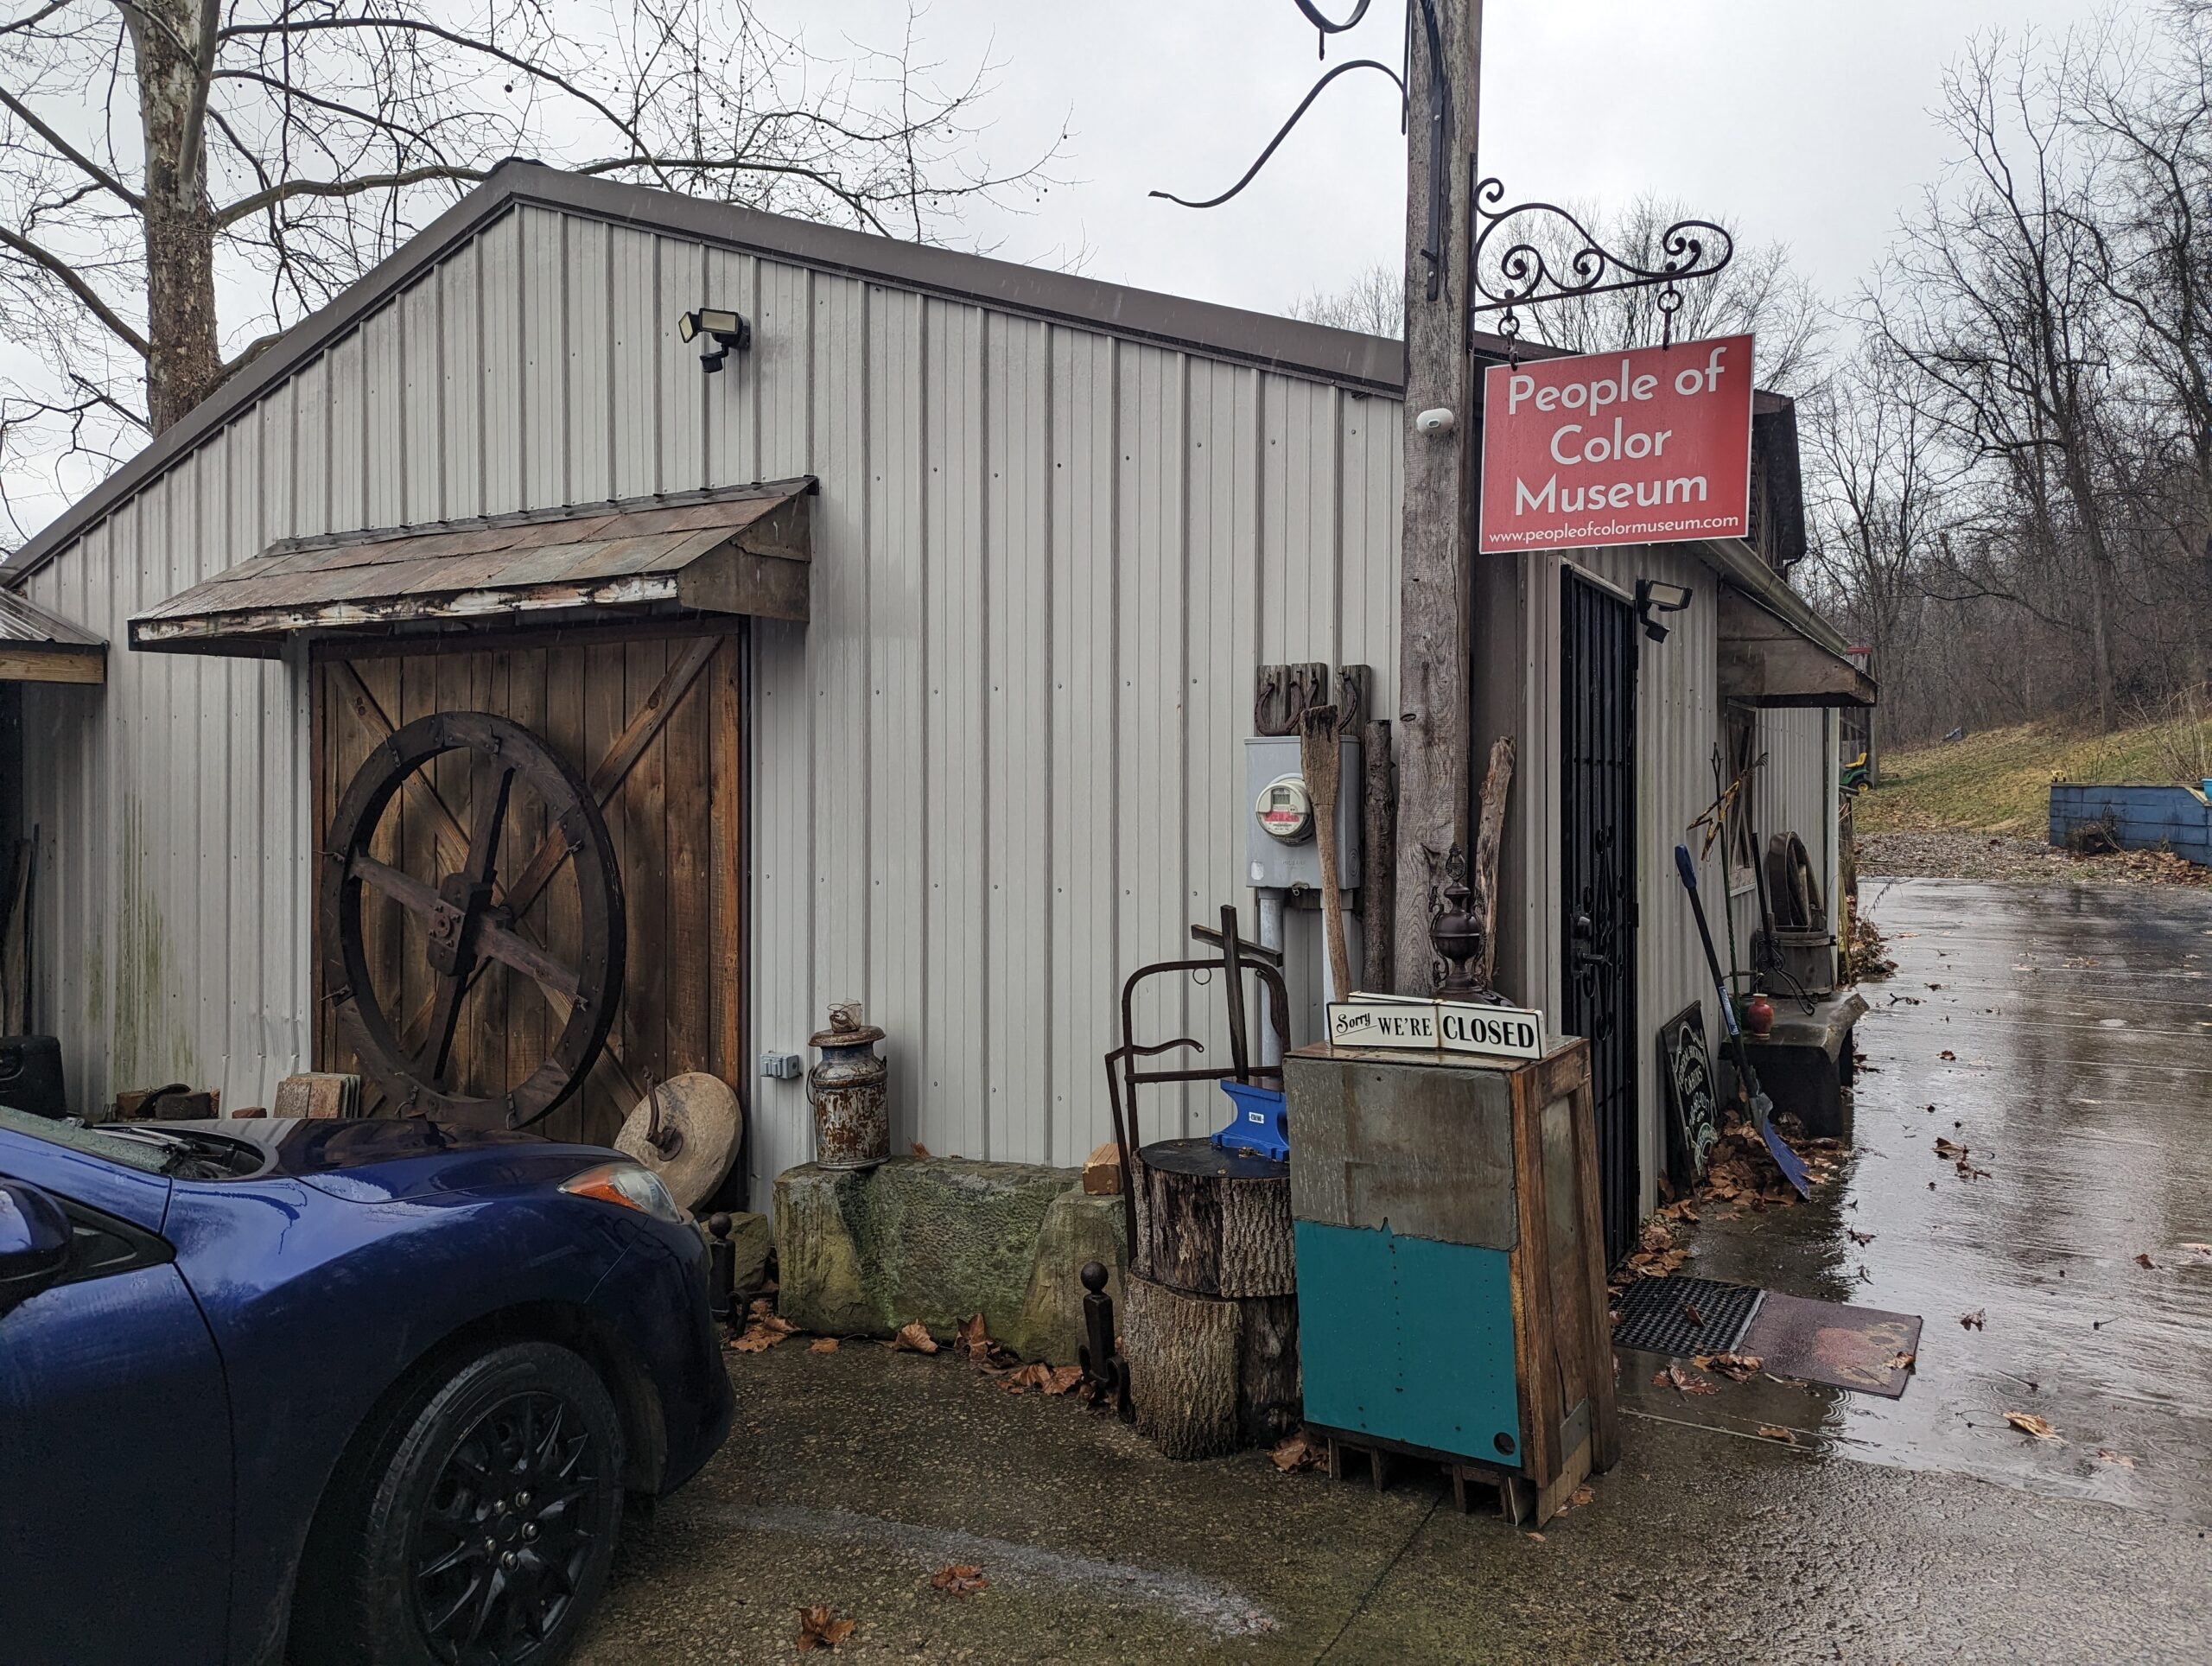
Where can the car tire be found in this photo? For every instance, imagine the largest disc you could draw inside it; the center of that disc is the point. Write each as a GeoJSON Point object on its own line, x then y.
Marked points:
{"type": "Point", "coordinates": [481, 1530]}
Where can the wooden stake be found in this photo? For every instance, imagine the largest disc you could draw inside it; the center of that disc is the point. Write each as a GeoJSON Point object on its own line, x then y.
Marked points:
{"type": "Point", "coordinates": [1490, 834]}
{"type": "Point", "coordinates": [1434, 726]}
{"type": "Point", "coordinates": [1320, 760]}
{"type": "Point", "coordinates": [1377, 858]}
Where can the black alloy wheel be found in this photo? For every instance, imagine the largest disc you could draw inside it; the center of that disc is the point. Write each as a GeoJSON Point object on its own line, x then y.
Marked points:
{"type": "Point", "coordinates": [506, 1538]}
{"type": "Point", "coordinates": [478, 1527]}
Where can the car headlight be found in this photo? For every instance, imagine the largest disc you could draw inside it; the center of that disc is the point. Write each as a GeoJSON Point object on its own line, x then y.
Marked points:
{"type": "Point", "coordinates": [631, 1185]}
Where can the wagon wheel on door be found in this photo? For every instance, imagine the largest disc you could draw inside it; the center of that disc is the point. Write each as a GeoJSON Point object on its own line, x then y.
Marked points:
{"type": "Point", "coordinates": [470, 921]}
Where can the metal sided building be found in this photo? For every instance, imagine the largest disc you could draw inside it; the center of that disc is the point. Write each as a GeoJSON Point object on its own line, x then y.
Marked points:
{"type": "Point", "coordinates": [910, 657]}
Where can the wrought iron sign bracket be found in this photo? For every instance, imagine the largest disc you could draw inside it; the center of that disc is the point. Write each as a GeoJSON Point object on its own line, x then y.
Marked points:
{"type": "Point", "coordinates": [1439, 120]}
{"type": "Point", "coordinates": [1519, 273]}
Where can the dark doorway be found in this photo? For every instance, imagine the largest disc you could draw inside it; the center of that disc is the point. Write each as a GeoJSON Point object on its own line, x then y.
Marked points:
{"type": "Point", "coordinates": [1598, 871]}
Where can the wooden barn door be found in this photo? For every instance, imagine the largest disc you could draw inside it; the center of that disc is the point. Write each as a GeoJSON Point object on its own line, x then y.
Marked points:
{"type": "Point", "coordinates": [652, 723]}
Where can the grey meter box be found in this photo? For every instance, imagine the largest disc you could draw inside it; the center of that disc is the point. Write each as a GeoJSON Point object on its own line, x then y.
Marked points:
{"type": "Point", "coordinates": [1280, 850]}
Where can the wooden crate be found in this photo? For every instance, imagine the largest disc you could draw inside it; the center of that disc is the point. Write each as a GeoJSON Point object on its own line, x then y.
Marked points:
{"type": "Point", "coordinates": [1451, 1260]}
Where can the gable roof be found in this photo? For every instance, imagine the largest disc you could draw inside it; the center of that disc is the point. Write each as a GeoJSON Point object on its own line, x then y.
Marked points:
{"type": "Point", "coordinates": [1366, 363]}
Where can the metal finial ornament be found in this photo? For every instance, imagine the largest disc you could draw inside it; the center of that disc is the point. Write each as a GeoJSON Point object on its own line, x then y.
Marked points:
{"type": "Point", "coordinates": [1458, 936]}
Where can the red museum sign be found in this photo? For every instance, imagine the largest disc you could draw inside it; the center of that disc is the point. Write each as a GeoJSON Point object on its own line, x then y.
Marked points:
{"type": "Point", "coordinates": [1642, 446]}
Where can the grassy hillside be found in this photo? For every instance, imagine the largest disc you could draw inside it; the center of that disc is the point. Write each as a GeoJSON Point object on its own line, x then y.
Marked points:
{"type": "Point", "coordinates": [2000, 782]}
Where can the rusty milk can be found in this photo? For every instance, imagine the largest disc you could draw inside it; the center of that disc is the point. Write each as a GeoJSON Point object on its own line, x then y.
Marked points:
{"type": "Point", "coordinates": [848, 1092]}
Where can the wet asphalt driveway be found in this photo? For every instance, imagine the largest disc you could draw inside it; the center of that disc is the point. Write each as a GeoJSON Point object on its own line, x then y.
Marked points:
{"type": "Point", "coordinates": [2063, 1036]}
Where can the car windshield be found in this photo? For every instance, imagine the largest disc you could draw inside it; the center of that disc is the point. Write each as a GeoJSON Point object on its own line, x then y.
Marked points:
{"type": "Point", "coordinates": [116, 1147]}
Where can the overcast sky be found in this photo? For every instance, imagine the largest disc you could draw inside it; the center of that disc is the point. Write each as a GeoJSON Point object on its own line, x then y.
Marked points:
{"type": "Point", "coordinates": [1803, 121]}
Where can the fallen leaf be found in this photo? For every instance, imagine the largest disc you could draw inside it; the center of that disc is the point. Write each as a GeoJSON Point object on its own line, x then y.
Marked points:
{"type": "Point", "coordinates": [970, 1340]}
{"type": "Point", "coordinates": [819, 1629]}
{"type": "Point", "coordinates": [1775, 1431]}
{"type": "Point", "coordinates": [1737, 1368]}
{"type": "Point", "coordinates": [762, 1307]}
{"type": "Point", "coordinates": [763, 1333]}
{"type": "Point", "coordinates": [960, 1579]}
{"type": "Point", "coordinates": [1947, 1053]}
{"type": "Point", "coordinates": [2106, 1455]}
{"type": "Point", "coordinates": [1949, 1149]}
{"type": "Point", "coordinates": [2029, 1423]}
{"type": "Point", "coordinates": [920, 1149]}
{"type": "Point", "coordinates": [1581, 1497]}
{"type": "Point", "coordinates": [1973, 1321]}
{"type": "Point", "coordinates": [1294, 1452]}
{"type": "Point", "coordinates": [1063, 1378]}
{"type": "Point", "coordinates": [912, 1338]}
{"type": "Point", "coordinates": [1858, 1237]}
{"type": "Point", "coordinates": [823, 1344]}
{"type": "Point", "coordinates": [1683, 1382]}
{"type": "Point", "coordinates": [2145, 1262]}
{"type": "Point", "coordinates": [1538, 1537]}
{"type": "Point", "coordinates": [1690, 1312]}
{"type": "Point", "coordinates": [1902, 1359]}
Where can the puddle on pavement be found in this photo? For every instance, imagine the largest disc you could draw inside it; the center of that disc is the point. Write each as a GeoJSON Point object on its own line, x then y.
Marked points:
{"type": "Point", "coordinates": [2083, 1088]}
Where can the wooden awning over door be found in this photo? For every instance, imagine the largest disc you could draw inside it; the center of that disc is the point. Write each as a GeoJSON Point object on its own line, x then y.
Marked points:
{"type": "Point", "coordinates": [745, 551]}
{"type": "Point", "coordinates": [1767, 661]}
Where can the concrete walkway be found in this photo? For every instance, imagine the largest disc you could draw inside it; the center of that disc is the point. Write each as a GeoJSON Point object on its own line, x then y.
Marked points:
{"type": "Point", "coordinates": [1921, 1530]}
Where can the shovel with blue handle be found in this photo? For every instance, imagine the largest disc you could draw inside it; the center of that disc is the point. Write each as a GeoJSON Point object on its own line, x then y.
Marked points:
{"type": "Point", "coordinates": [1787, 1161]}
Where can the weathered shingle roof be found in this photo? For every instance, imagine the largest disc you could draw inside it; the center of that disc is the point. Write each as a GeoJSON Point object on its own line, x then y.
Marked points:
{"type": "Point", "coordinates": [738, 551]}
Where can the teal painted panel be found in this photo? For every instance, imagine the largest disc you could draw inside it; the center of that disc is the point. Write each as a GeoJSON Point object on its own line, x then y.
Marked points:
{"type": "Point", "coordinates": [1408, 1338]}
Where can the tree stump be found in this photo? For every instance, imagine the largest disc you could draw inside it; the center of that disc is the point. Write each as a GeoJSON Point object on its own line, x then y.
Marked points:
{"type": "Point", "coordinates": [1210, 1320]}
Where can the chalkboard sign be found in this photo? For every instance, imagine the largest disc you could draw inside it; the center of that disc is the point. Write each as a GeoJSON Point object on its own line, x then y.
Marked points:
{"type": "Point", "coordinates": [1693, 1121]}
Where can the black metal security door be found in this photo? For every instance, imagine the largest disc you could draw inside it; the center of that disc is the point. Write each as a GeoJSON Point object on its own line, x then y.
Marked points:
{"type": "Point", "coordinates": [1598, 871]}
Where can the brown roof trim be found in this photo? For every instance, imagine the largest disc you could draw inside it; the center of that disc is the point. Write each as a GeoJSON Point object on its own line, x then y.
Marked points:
{"type": "Point", "coordinates": [1372, 364]}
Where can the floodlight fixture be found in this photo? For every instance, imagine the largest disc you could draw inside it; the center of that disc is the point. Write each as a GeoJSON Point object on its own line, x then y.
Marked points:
{"type": "Point", "coordinates": [717, 331]}
{"type": "Point", "coordinates": [1654, 596]}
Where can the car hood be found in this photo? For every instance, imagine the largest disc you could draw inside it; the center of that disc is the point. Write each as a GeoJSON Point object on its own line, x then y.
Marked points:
{"type": "Point", "coordinates": [385, 1158]}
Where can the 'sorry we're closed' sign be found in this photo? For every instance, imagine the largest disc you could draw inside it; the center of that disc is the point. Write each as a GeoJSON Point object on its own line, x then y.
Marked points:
{"type": "Point", "coordinates": [1644, 446]}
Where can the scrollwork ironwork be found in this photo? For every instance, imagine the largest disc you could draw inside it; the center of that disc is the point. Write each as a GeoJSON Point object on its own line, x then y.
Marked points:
{"type": "Point", "coordinates": [1509, 269]}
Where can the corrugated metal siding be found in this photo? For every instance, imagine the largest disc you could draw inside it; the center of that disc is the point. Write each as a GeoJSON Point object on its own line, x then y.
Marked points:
{"type": "Point", "coordinates": [1047, 564]}
{"type": "Point", "coordinates": [999, 767]}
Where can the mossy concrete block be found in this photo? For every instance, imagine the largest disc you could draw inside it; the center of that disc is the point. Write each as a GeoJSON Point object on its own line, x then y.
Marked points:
{"type": "Point", "coordinates": [1079, 1227]}
{"type": "Point", "coordinates": [748, 1240]}
{"type": "Point", "coordinates": [936, 1239]}
{"type": "Point", "coordinates": [822, 1284]}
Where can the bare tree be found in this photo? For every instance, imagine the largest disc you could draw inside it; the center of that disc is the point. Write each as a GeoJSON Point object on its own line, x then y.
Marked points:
{"type": "Point", "coordinates": [181, 179]}
{"type": "Point", "coordinates": [2143, 100]}
{"type": "Point", "coordinates": [1995, 298]}
{"type": "Point", "coordinates": [1875, 479]}
{"type": "Point", "coordinates": [1373, 303]}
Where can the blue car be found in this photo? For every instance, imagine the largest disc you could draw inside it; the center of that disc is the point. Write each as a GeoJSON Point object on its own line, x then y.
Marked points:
{"type": "Point", "coordinates": [366, 1390]}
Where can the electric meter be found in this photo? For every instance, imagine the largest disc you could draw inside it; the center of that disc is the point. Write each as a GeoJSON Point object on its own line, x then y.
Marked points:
{"type": "Point", "coordinates": [1285, 810]}
{"type": "Point", "coordinates": [1282, 844]}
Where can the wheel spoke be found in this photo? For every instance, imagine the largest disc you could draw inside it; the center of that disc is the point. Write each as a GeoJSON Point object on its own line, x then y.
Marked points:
{"type": "Point", "coordinates": [495, 1588]}
{"type": "Point", "coordinates": [438, 1625]}
{"type": "Point", "coordinates": [466, 1549]}
{"type": "Point", "coordinates": [404, 889]}
{"type": "Point", "coordinates": [501, 944]}
{"type": "Point", "coordinates": [542, 1456]}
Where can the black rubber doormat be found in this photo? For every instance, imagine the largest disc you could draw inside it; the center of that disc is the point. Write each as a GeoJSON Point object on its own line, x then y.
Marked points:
{"type": "Point", "coordinates": [1862, 1349]}
{"type": "Point", "coordinates": [1685, 1316]}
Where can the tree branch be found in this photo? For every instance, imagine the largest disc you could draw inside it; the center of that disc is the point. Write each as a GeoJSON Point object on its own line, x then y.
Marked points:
{"type": "Point", "coordinates": [78, 287]}
{"type": "Point", "coordinates": [246, 208]}
{"type": "Point", "coordinates": [69, 152]}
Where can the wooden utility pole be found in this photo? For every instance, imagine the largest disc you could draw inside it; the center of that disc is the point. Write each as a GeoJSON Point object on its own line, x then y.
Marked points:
{"type": "Point", "coordinates": [1434, 730]}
